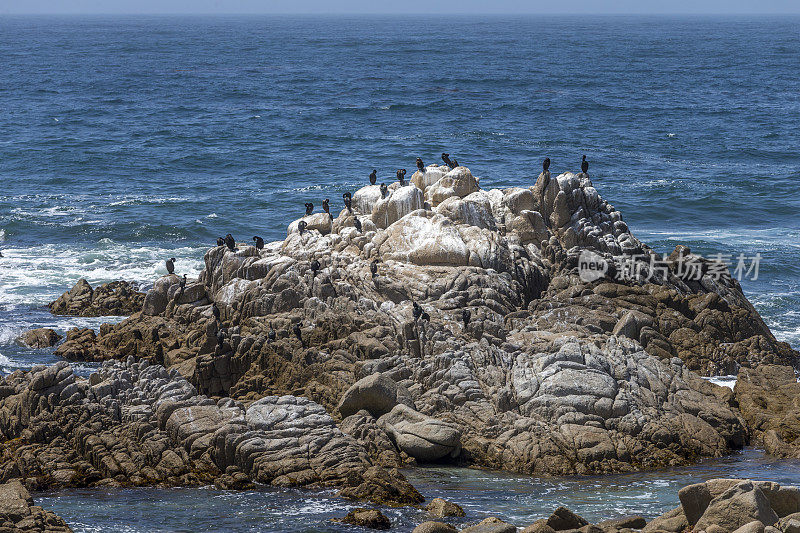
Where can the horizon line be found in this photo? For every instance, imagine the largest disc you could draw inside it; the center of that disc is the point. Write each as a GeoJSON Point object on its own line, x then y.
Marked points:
{"type": "Point", "coordinates": [404, 14]}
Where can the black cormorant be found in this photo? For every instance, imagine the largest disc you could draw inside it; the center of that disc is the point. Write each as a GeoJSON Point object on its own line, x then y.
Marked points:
{"type": "Point", "coordinates": [230, 242]}
{"type": "Point", "coordinates": [417, 310]}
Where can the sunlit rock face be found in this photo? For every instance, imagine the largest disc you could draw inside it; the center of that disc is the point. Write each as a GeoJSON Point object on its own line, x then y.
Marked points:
{"type": "Point", "coordinates": [473, 303]}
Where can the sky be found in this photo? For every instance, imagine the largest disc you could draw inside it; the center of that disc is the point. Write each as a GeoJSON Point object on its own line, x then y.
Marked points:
{"type": "Point", "coordinates": [400, 6]}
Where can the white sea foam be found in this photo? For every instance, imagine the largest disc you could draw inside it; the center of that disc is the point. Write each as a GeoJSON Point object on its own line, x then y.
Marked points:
{"type": "Point", "coordinates": [722, 381]}
{"type": "Point", "coordinates": [38, 275]}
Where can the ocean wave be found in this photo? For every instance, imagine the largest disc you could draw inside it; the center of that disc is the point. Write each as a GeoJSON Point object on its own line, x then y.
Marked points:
{"type": "Point", "coordinates": [38, 275]}
{"type": "Point", "coordinates": [151, 200]}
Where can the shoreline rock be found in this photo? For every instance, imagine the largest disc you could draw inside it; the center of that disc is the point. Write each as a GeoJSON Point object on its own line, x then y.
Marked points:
{"type": "Point", "coordinates": [118, 298]}
{"type": "Point", "coordinates": [39, 338]}
{"type": "Point", "coordinates": [135, 424]}
{"type": "Point", "coordinates": [18, 512]}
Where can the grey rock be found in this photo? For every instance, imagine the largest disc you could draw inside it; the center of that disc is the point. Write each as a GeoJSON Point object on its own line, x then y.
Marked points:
{"type": "Point", "coordinates": [434, 527]}
{"type": "Point", "coordinates": [625, 522]}
{"type": "Point", "coordinates": [563, 519]}
{"type": "Point", "coordinates": [490, 525]}
{"type": "Point", "coordinates": [739, 505]}
{"type": "Point", "coordinates": [441, 508]}
{"type": "Point", "coordinates": [420, 436]}
{"type": "Point", "coordinates": [673, 521]}
{"type": "Point", "coordinates": [377, 394]}
{"type": "Point", "coordinates": [751, 527]}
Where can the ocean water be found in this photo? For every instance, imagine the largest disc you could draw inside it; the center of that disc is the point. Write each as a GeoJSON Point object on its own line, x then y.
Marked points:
{"type": "Point", "coordinates": [126, 141]}
{"type": "Point", "coordinates": [519, 500]}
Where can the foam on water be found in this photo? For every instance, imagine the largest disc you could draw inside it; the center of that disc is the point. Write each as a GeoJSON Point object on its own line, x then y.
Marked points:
{"type": "Point", "coordinates": [723, 381]}
{"type": "Point", "coordinates": [38, 275]}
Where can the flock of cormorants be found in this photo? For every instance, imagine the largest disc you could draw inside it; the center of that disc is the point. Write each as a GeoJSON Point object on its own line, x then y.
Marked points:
{"type": "Point", "coordinates": [417, 311]}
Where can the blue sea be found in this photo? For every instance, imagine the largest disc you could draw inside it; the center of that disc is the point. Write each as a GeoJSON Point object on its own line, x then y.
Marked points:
{"type": "Point", "coordinates": [128, 140]}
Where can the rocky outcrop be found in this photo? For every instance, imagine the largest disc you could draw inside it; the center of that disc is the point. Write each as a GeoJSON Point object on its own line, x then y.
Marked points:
{"type": "Point", "coordinates": [716, 506]}
{"type": "Point", "coordinates": [116, 298]}
{"type": "Point", "coordinates": [769, 399]}
{"type": "Point", "coordinates": [39, 338]}
{"type": "Point", "coordinates": [133, 423]}
{"type": "Point", "coordinates": [490, 525]}
{"type": "Point", "coordinates": [510, 358]}
{"type": "Point", "coordinates": [441, 508]}
{"type": "Point", "coordinates": [729, 505]}
{"type": "Point", "coordinates": [368, 518]}
{"type": "Point", "coordinates": [19, 514]}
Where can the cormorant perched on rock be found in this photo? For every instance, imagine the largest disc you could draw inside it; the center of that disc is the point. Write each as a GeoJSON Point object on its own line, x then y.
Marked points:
{"type": "Point", "coordinates": [373, 267]}
{"type": "Point", "coordinates": [299, 334]}
{"type": "Point", "coordinates": [357, 224]}
{"type": "Point", "coordinates": [301, 226]}
{"type": "Point", "coordinates": [446, 159]}
{"type": "Point", "coordinates": [220, 241]}
{"type": "Point", "coordinates": [259, 242]}
{"type": "Point", "coordinates": [384, 190]}
{"type": "Point", "coordinates": [181, 289]}
{"type": "Point", "coordinates": [546, 164]}
{"type": "Point", "coordinates": [373, 178]}
{"type": "Point", "coordinates": [230, 242]}
{"type": "Point", "coordinates": [584, 165]}
{"type": "Point", "coordinates": [465, 316]}
{"type": "Point", "coordinates": [417, 310]}
{"type": "Point", "coordinates": [348, 200]}
{"type": "Point", "coordinates": [215, 311]}
{"type": "Point", "coordinates": [309, 208]}
{"type": "Point", "coordinates": [271, 335]}
{"type": "Point", "coordinates": [326, 206]}
{"type": "Point", "coordinates": [171, 265]}
{"type": "Point", "coordinates": [420, 165]}
{"type": "Point", "coordinates": [401, 176]}
{"type": "Point", "coordinates": [314, 267]}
